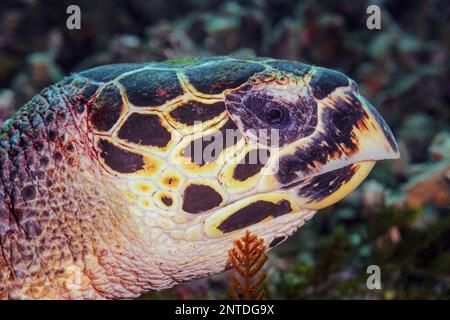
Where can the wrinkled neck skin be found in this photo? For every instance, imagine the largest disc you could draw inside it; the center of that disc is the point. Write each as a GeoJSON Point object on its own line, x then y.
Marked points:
{"type": "Point", "coordinates": [66, 230]}
{"type": "Point", "coordinates": [63, 234]}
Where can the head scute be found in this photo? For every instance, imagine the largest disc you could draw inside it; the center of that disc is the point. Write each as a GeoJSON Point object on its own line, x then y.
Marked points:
{"type": "Point", "coordinates": [275, 101]}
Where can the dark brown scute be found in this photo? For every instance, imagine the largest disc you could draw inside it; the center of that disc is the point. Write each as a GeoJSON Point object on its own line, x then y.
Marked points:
{"type": "Point", "coordinates": [325, 81]}
{"type": "Point", "coordinates": [320, 187]}
{"type": "Point", "coordinates": [29, 192]}
{"type": "Point", "coordinates": [167, 200]}
{"type": "Point", "coordinates": [109, 72]}
{"type": "Point", "coordinates": [88, 90]}
{"type": "Point", "coordinates": [151, 88]}
{"type": "Point", "coordinates": [253, 162]}
{"type": "Point", "coordinates": [297, 68]}
{"type": "Point", "coordinates": [57, 156]}
{"type": "Point", "coordinates": [44, 161]}
{"type": "Point", "coordinates": [193, 111]}
{"type": "Point", "coordinates": [145, 129]}
{"type": "Point", "coordinates": [228, 140]}
{"type": "Point", "coordinates": [52, 135]}
{"type": "Point", "coordinates": [200, 198]}
{"type": "Point", "coordinates": [118, 159]}
{"type": "Point", "coordinates": [106, 109]}
{"type": "Point", "coordinates": [277, 241]}
{"type": "Point", "coordinates": [215, 77]}
{"type": "Point", "coordinates": [85, 87]}
{"type": "Point", "coordinates": [254, 213]}
{"type": "Point", "coordinates": [336, 140]}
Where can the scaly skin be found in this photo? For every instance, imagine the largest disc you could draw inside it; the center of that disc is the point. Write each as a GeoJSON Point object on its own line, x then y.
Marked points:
{"type": "Point", "coordinates": [60, 236]}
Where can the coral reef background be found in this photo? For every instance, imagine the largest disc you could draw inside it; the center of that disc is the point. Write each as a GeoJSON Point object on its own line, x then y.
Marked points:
{"type": "Point", "coordinates": [398, 219]}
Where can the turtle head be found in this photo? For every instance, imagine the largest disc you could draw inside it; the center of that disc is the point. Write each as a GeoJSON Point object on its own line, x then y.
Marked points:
{"type": "Point", "coordinates": [274, 143]}
{"type": "Point", "coordinates": [323, 136]}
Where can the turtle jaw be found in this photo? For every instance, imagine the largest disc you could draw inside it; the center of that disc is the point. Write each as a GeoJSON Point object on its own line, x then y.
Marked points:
{"type": "Point", "coordinates": [331, 163]}
{"type": "Point", "coordinates": [324, 190]}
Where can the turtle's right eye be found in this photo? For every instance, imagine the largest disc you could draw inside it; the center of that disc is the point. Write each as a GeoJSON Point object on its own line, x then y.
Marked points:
{"type": "Point", "coordinates": [276, 115]}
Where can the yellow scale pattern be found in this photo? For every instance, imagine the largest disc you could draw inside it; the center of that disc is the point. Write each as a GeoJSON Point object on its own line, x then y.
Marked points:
{"type": "Point", "coordinates": [156, 192]}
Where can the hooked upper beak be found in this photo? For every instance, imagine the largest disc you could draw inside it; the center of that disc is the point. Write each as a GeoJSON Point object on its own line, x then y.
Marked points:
{"type": "Point", "coordinates": [326, 166]}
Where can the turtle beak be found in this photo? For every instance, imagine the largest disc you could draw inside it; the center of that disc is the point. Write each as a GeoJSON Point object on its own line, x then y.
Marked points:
{"type": "Point", "coordinates": [326, 166]}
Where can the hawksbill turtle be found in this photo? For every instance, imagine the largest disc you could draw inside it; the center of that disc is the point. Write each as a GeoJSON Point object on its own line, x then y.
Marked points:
{"type": "Point", "coordinates": [128, 178]}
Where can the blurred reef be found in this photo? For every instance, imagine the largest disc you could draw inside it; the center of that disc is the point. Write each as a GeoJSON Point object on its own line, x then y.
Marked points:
{"type": "Point", "coordinates": [398, 219]}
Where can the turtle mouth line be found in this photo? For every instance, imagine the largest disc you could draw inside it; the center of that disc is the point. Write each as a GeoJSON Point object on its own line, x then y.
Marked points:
{"type": "Point", "coordinates": [326, 188]}
{"type": "Point", "coordinates": [329, 170]}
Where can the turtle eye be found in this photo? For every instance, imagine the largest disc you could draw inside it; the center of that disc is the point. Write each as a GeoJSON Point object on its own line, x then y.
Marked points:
{"type": "Point", "coordinates": [276, 115]}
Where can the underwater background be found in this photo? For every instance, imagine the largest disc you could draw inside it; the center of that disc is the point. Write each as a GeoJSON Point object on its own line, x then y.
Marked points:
{"type": "Point", "coordinates": [398, 219]}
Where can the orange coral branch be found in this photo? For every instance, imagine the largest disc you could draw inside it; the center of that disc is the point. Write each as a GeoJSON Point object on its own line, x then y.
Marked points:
{"type": "Point", "coordinates": [247, 257]}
